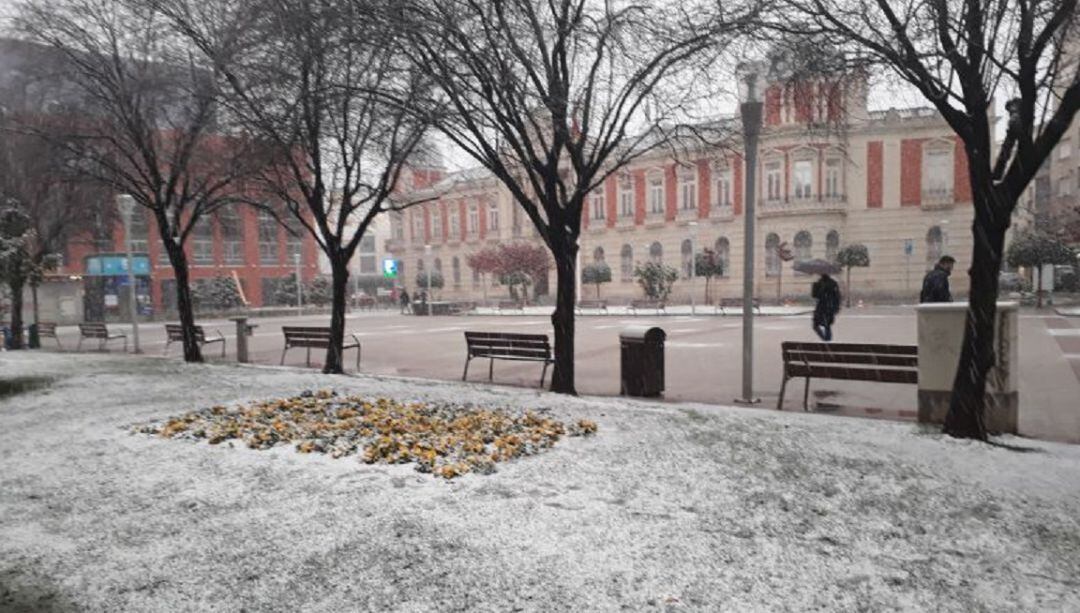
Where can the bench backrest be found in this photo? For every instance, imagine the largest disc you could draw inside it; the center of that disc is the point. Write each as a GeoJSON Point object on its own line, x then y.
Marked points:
{"type": "Point", "coordinates": [508, 344]}
{"type": "Point", "coordinates": [306, 336]}
{"type": "Point", "coordinates": [176, 333]}
{"type": "Point", "coordinates": [46, 328]}
{"type": "Point", "coordinates": [868, 362]}
{"type": "Point", "coordinates": [93, 330]}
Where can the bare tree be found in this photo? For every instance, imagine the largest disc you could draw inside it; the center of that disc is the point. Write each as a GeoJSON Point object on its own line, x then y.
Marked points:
{"type": "Point", "coordinates": [554, 97]}
{"type": "Point", "coordinates": [36, 178]}
{"type": "Point", "coordinates": [150, 127]}
{"type": "Point", "coordinates": [960, 55]}
{"type": "Point", "coordinates": [326, 86]}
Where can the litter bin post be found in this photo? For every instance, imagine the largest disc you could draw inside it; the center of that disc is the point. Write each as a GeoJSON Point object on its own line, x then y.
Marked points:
{"type": "Point", "coordinates": [642, 361]}
{"type": "Point", "coordinates": [243, 331]}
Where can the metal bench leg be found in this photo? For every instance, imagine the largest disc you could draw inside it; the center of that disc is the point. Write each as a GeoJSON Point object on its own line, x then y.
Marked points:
{"type": "Point", "coordinates": [166, 350]}
{"type": "Point", "coordinates": [358, 358]}
{"type": "Point", "coordinates": [780, 401]}
{"type": "Point", "coordinates": [465, 374]}
{"type": "Point", "coordinates": [806, 396]}
{"type": "Point", "coordinates": [543, 373]}
{"type": "Point", "coordinates": [223, 347]}
{"type": "Point", "coordinates": [283, 354]}
{"type": "Point", "coordinates": [125, 344]}
{"type": "Point", "coordinates": [307, 360]}
{"type": "Point", "coordinates": [491, 370]}
{"type": "Point", "coordinates": [78, 347]}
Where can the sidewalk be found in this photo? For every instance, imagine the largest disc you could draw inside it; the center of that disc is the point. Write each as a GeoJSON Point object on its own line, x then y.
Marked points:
{"type": "Point", "coordinates": [678, 309]}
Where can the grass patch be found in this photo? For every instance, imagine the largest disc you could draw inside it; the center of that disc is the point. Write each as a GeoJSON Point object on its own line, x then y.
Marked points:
{"type": "Point", "coordinates": [21, 385]}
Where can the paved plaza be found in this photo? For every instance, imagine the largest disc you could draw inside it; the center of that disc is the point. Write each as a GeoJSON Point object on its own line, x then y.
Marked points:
{"type": "Point", "coordinates": [702, 360]}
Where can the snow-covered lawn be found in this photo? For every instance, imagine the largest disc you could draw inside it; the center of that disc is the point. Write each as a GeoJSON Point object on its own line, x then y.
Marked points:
{"type": "Point", "coordinates": [668, 506]}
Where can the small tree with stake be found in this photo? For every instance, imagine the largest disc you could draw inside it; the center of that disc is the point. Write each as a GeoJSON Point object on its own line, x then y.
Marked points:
{"type": "Point", "coordinates": [708, 264]}
{"type": "Point", "coordinates": [1036, 249]}
{"type": "Point", "coordinates": [851, 256]}
{"type": "Point", "coordinates": [596, 274]}
{"type": "Point", "coordinates": [656, 279]}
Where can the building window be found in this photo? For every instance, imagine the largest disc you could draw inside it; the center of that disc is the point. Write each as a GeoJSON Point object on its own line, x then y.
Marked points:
{"type": "Point", "coordinates": [656, 253]}
{"type": "Point", "coordinates": [418, 225]}
{"type": "Point", "coordinates": [935, 242]}
{"type": "Point", "coordinates": [626, 195]}
{"type": "Point", "coordinates": [140, 231]}
{"type": "Point", "coordinates": [436, 223]}
{"type": "Point", "coordinates": [723, 255]}
{"type": "Point", "coordinates": [598, 255]}
{"type": "Point", "coordinates": [268, 239]}
{"type": "Point", "coordinates": [937, 174]}
{"type": "Point", "coordinates": [596, 205]}
{"type": "Point", "coordinates": [773, 185]}
{"type": "Point", "coordinates": [723, 187]}
{"type": "Point", "coordinates": [493, 217]}
{"type": "Point", "coordinates": [455, 266]}
{"type": "Point", "coordinates": [232, 236]}
{"type": "Point", "coordinates": [515, 221]}
{"type": "Point", "coordinates": [655, 196]}
{"type": "Point", "coordinates": [832, 178]}
{"type": "Point", "coordinates": [474, 219]}
{"type": "Point", "coordinates": [687, 252]}
{"type": "Point", "coordinates": [772, 258]}
{"type": "Point", "coordinates": [294, 239]}
{"type": "Point", "coordinates": [202, 243]}
{"type": "Point", "coordinates": [368, 264]}
{"type": "Point", "coordinates": [688, 189]}
{"type": "Point", "coordinates": [803, 246]}
{"type": "Point", "coordinates": [832, 245]}
{"type": "Point", "coordinates": [455, 223]}
{"type": "Point", "coordinates": [626, 263]}
{"type": "Point", "coordinates": [397, 226]}
{"type": "Point", "coordinates": [802, 173]}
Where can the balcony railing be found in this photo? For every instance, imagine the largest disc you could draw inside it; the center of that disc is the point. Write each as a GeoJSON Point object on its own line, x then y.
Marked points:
{"type": "Point", "coordinates": [722, 211]}
{"type": "Point", "coordinates": [802, 206]}
{"type": "Point", "coordinates": [939, 198]}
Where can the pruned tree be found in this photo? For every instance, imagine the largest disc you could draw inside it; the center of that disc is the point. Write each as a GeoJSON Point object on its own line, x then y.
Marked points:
{"type": "Point", "coordinates": [656, 279]}
{"type": "Point", "coordinates": [1033, 249]}
{"type": "Point", "coordinates": [708, 264]}
{"type": "Point", "coordinates": [484, 262]}
{"type": "Point", "coordinates": [596, 273]}
{"type": "Point", "coordinates": [429, 280]}
{"type": "Point", "coordinates": [521, 264]}
{"type": "Point", "coordinates": [216, 294]}
{"type": "Point", "coordinates": [851, 256]}
{"type": "Point", "coordinates": [961, 55]}
{"type": "Point", "coordinates": [149, 125]}
{"type": "Point", "coordinates": [554, 97]}
{"type": "Point", "coordinates": [326, 86]}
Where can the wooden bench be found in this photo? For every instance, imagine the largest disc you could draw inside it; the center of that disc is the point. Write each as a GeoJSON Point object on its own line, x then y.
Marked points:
{"type": "Point", "coordinates": [175, 334]}
{"type": "Point", "coordinates": [657, 305]}
{"type": "Point", "coordinates": [314, 337]}
{"type": "Point", "coordinates": [98, 330]}
{"type": "Point", "coordinates": [48, 329]}
{"type": "Point", "coordinates": [599, 305]}
{"type": "Point", "coordinates": [510, 305]}
{"type": "Point", "coordinates": [507, 346]}
{"type": "Point", "coordinates": [736, 304]}
{"type": "Point", "coordinates": [847, 361]}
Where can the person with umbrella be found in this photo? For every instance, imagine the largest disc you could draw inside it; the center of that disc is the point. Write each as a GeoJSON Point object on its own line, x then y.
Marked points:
{"type": "Point", "coordinates": [826, 293]}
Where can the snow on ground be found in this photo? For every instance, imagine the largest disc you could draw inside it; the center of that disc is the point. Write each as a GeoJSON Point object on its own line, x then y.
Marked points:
{"type": "Point", "coordinates": [667, 507]}
{"type": "Point", "coordinates": [676, 309]}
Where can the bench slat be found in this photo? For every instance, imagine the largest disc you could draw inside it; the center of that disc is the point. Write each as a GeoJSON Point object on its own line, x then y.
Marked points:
{"type": "Point", "coordinates": [850, 348]}
{"type": "Point", "coordinates": [882, 375]}
{"type": "Point", "coordinates": [870, 359]}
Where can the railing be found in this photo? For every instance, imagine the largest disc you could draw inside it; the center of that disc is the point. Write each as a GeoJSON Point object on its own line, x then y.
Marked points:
{"type": "Point", "coordinates": [802, 206]}
{"type": "Point", "coordinates": [937, 198]}
{"type": "Point", "coordinates": [722, 211]}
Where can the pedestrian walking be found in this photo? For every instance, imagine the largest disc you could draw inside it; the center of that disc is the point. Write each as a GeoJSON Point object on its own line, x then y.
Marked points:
{"type": "Point", "coordinates": [935, 286]}
{"type": "Point", "coordinates": [826, 291]}
{"type": "Point", "coordinates": [404, 298]}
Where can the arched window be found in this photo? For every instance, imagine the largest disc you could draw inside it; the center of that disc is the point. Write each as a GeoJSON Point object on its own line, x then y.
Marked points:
{"type": "Point", "coordinates": [656, 253]}
{"type": "Point", "coordinates": [455, 265]}
{"type": "Point", "coordinates": [772, 259]}
{"type": "Point", "coordinates": [626, 263]}
{"type": "Point", "coordinates": [723, 254]}
{"type": "Point", "coordinates": [438, 265]}
{"type": "Point", "coordinates": [832, 245]}
{"type": "Point", "coordinates": [687, 252]}
{"type": "Point", "coordinates": [803, 245]}
{"type": "Point", "coordinates": [935, 241]}
{"type": "Point", "coordinates": [598, 255]}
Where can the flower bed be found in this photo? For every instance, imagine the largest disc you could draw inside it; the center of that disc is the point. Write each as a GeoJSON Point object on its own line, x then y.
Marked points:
{"type": "Point", "coordinates": [443, 439]}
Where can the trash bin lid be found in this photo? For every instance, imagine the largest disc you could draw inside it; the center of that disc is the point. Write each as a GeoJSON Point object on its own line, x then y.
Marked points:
{"type": "Point", "coordinates": [642, 334]}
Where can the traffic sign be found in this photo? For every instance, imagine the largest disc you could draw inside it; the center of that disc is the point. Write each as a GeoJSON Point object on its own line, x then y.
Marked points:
{"type": "Point", "coordinates": [389, 268]}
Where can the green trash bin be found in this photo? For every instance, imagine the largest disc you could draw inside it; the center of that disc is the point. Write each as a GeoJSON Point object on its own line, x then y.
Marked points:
{"type": "Point", "coordinates": [33, 339]}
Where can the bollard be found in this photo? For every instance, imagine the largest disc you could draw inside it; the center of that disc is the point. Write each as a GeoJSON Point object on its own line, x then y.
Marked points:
{"type": "Point", "coordinates": [243, 331]}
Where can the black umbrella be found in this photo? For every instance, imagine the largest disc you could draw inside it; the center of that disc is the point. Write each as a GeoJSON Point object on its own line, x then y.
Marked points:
{"type": "Point", "coordinates": [816, 266]}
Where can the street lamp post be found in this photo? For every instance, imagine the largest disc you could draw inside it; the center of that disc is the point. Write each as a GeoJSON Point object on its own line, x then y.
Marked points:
{"type": "Point", "coordinates": [299, 287]}
{"type": "Point", "coordinates": [693, 266]}
{"type": "Point", "coordinates": [427, 277]}
{"type": "Point", "coordinates": [126, 204]}
{"type": "Point", "coordinates": [750, 79]}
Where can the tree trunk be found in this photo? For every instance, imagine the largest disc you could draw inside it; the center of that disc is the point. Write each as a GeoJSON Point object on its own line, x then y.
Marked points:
{"type": "Point", "coordinates": [967, 406]}
{"type": "Point", "coordinates": [184, 306]}
{"type": "Point", "coordinates": [16, 287]}
{"type": "Point", "coordinates": [34, 299]}
{"type": "Point", "coordinates": [562, 320]}
{"type": "Point", "coordinates": [706, 298]}
{"type": "Point", "coordinates": [340, 285]}
{"type": "Point", "coordinates": [1038, 286]}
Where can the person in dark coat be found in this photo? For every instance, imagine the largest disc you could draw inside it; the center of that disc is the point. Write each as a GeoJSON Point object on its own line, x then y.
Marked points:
{"type": "Point", "coordinates": [404, 298]}
{"type": "Point", "coordinates": [827, 294]}
{"type": "Point", "coordinates": [935, 286]}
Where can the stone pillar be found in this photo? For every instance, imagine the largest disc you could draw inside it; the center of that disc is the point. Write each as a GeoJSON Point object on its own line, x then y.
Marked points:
{"type": "Point", "coordinates": [243, 331]}
{"type": "Point", "coordinates": [941, 333]}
